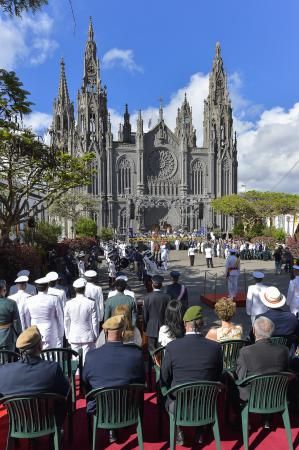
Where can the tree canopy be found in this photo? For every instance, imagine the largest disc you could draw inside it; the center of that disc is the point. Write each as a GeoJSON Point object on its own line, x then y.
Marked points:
{"type": "Point", "coordinates": [17, 7]}
{"type": "Point", "coordinates": [255, 207]}
{"type": "Point", "coordinates": [32, 174]}
{"type": "Point", "coordinates": [72, 205]}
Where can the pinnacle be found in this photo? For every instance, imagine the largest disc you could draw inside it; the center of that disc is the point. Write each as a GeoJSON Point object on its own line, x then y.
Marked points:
{"type": "Point", "coordinates": [90, 30]}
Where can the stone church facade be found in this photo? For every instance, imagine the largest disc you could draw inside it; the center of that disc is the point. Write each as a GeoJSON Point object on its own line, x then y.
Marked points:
{"type": "Point", "coordinates": [154, 177]}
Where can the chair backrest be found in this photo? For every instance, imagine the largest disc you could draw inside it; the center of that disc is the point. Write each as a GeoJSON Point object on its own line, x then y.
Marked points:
{"type": "Point", "coordinates": [283, 340]}
{"type": "Point", "coordinates": [31, 415]}
{"type": "Point", "coordinates": [268, 393]}
{"type": "Point", "coordinates": [230, 351]}
{"type": "Point", "coordinates": [118, 406]}
{"type": "Point", "coordinates": [63, 356]}
{"type": "Point", "coordinates": [158, 355]}
{"type": "Point", "coordinates": [196, 403]}
{"type": "Point", "coordinates": [7, 356]}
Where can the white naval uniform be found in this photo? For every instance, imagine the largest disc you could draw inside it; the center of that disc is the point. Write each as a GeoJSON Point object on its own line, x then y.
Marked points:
{"type": "Point", "coordinates": [81, 323]}
{"type": "Point", "coordinates": [95, 293]}
{"type": "Point", "coordinates": [44, 311]}
{"type": "Point", "coordinates": [164, 256]}
{"type": "Point", "coordinates": [30, 289]}
{"type": "Point", "coordinates": [20, 298]}
{"type": "Point", "coordinates": [60, 294]}
{"type": "Point", "coordinates": [254, 304]}
{"type": "Point", "coordinates": [232, 272]}
{"type": "Point", "coordinates": [293, 295]}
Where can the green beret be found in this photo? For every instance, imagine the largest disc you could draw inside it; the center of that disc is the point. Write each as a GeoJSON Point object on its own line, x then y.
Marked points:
{"type": "Point", "coordinates": [193, 313]}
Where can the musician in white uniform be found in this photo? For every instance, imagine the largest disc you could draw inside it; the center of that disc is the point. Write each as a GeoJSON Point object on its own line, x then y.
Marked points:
{"type": "Point", "coordinates": [81, 320]}
{"type": "Point", "coordinates": [20, 296]}
{"type": "Point", "coordinates": [293, 292]}
{"type": "Point", "coordinates": [94, 292]}
{"type": "Point", "coordinates": [44, 310]}
{"type": "Point", "coordinates": [30, 289]}
{"type": "Point", "coordinates": [232, 272]}
{"type": "Point", "coordinates": [254, 304]}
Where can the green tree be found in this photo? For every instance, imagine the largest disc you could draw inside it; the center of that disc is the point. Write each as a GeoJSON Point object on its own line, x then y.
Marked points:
{"type": "Point", "coordinates": [17, 7]}
{"type": "Point", "coordinates": [106, 234]}
{"type": "Point", "coordinates": [86, 227]}
{"type": "Point", "coordinates": [238, 207]}
{"type": "Point", "coordinates": [72, 204]}
{"type": "Point", "coordinates": [44, 234]}
{"type": "Point", "coordinates": [32, 174]}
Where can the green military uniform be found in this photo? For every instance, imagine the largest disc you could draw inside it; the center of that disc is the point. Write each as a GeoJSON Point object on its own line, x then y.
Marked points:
{"type": "Point", "coordinates": [10, 324]}
{"type": "Point", "coordinates": [120, 299]}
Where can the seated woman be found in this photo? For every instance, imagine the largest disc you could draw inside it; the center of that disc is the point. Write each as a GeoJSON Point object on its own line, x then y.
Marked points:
{"type": "Point", "coordinates": [131, 334]}
{"type": "Point", "coordinates": [225, 309]}
{"type": "Point", "coordinates": [174, 326]}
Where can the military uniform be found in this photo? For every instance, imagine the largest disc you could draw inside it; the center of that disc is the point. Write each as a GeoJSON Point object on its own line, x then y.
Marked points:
{"type": "Point", "coordinates": [120, 299]}
{"type": "Point", "coordinates": [10, 324]}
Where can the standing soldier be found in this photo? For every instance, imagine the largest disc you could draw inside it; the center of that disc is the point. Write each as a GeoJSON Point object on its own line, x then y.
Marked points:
{"type": "Point", "coordinates": [81, 320]}
{"type": "Point", "coordinates": [20, 296]}
{"type": "Point", "coordinates": [44, 310]}
{"type": "Point", "coordinates": [254, 304]}
{"type": "Point", "coordinates": [94, 292]}
{"type": "Point", "coordinates": [293, 292]}
{"type": "Point", "coordinates": [177, 291]}
{"type": "Point", "coordinates": [191, 254]}
{"type": "Point", "coordinates": [10, 324]}
{"type": "Point", "coordinates": [232, 272]}
{"type": "Point", "coordinates": [30, 289]}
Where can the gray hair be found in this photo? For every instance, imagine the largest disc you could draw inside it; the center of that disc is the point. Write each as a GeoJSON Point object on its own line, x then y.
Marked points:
{"type": "Point", "coordinates": [263, 328]}
{"type": "Point", "coordinates": [2, 284]}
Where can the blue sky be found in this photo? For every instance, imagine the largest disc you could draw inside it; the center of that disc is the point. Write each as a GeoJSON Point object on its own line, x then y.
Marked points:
{"type": "Point", "coordinates": [166, 47]}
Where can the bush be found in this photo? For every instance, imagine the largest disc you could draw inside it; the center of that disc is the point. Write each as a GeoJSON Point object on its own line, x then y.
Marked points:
{"type": "Point", "coordinates": [16, 257]}
{"type": "Point", "coordinates": [44, 235]}
{"type": "Point", "coordinates": [106, 234]}
{"type": "Point", "coordinates": [78, 244]}
{"type": "Point", "coordinates": [293, 245]}
{"type": "Point", "coordinates": [86, 227]}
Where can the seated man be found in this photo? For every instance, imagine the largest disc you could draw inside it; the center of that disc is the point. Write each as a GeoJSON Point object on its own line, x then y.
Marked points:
{"type": "Point", "coordinates": [113, 364]}
{"type": "Point", "coordinates": [190, 358]}
{"type": "Point", "coordinates": [31, 374]}
{"type": "Point", "coordinates": [263, 356]}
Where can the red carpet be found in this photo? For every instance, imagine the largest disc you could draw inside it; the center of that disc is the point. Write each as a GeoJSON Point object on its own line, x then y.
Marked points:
{"type": "Point", "coordinates": [230, 440]}
{"type": "Point", "coordinates": [211, 299]}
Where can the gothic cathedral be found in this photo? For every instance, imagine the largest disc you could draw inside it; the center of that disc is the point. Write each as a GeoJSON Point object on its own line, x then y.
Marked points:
{"type": "Point", "coordinates": [155, 177]}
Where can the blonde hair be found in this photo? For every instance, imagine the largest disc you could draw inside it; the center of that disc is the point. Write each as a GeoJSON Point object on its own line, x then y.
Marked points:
{"type": "Point", "coordinates": [128, 329]}
{"type": "Point", "coordinates": [225, 308]}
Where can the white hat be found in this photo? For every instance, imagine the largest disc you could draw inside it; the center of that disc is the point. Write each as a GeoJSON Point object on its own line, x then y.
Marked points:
{"type": "Point", "coordinates": [258, 275]}
{"type": "Point", "coordinates": [90, 274]}
{"type": "Point", "coordinates": [43, 280]}
{"type": "Point", "coordinates": [22, 279]}
{"type": "Point", "coordinates": [273, 298]}
{"type": "Point", "coordinates": [24, 272]}
{"type": "Point", "coordinates": [79, 283]}
{"type": "Point", "coordinates": [296, 267]}
{"type": "Point", "coordinates": [122, 277]}
{"type": "Point", "coordinates": [52, 276]}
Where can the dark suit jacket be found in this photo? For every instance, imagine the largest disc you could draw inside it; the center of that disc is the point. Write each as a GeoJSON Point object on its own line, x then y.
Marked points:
{"type": "Point", "coordinates": [191, 358]}
{"type": "Point", "coordinates": [32, 377]}
{"type": "Point", "coordinates": [154, 308]}
{"type": "Point", "coordinates": [261, 358]}
{"type": "Point", "coordinates": [285, 322]}
{"type": "Point", "coordinates": [113, 364]}
{"type": "Point", "coordinates": [174, 290]}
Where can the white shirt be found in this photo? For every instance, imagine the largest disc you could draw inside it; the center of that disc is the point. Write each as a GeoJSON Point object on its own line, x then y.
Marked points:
{"type": "Point", "coordinates": [191, 251]}
{"type": "Point", "coordinates": [293, 295]}
{"type": "Point", "coordinates": [80, 320]}
{"type": "Point", "coordinates": [208, 252]}
{"type": "Point", "coordinates": [44, 310]}
{"type": "Point", "coordinates": [30, 289]}
{"type": "Point", "coordinates": [254, 305]}
{"type": "Point", "coordinates": [20, 298]}
{"type": "Point", "coordinates": [60, 293]}
{"type": "Point", "coordinates": [96, 293]}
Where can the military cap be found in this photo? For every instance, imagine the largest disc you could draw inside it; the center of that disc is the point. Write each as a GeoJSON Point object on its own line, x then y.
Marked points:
{"type": "Point", "coordinates": [193, 313]}
{"type": "Point", "coordinates": [79, 283]}
{"type": "Point", "coordinates": [175, 274]}
{"type": "Point", "coordinates": [52, 276]}
{"type": "Point", "coordinates": [90, 274]}
{"type": "Point", "coordinates": [22, 279]}
{"type": "Point", "coordinates": [43, 280]}
{"type": "Point", "coordinates": [258, 275]}
{"type": "Point", "coordinates": [114, 323]}
{"type": "Point", "coordinates": [29, 338]}
{"type": "Point", "coordinates": [158, 279]}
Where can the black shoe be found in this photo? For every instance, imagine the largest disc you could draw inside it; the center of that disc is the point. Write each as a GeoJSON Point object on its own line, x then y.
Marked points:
{"type": "Point", "coordinates": [179, 437]}
{"type": "Point", "coordinates": [112, 436]}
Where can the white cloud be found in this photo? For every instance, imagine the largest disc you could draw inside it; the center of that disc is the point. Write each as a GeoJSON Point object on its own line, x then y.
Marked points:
{"type": "Point", "coordinates": [123, 58]}
{"type": "Point", "coordinates": [26, 41]}
{"type": "Point", "coordinates": [39, 122]}
{"type": "Point", "coordinates": [268, 140]}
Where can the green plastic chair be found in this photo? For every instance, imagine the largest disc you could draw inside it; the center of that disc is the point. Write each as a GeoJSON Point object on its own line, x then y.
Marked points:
{"type": "Point", "coordinates": [32, 416]}
{"type": "Point", "coordinates": [157, 358]}
{"type": "Point", "coordinates": [117, 407]}
{"type": "Point", "coordinates": [283, 340]}
{"type": "Point", "coordinates": [195, 406]}
{"type": "Point", "coordinates": [69, 366]}
{"type": "Point", "coordinates": [230, 351]}
{"type": "Point", "coordinates": [6, 356]}
{"type": "Point", "coordinates": [267, 395]}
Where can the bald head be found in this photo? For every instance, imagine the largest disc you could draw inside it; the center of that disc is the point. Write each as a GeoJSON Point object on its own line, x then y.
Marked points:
{"type": "Point", "coordinates": [263, 328]}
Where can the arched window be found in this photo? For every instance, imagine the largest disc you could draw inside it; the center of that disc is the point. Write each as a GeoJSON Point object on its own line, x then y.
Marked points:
{"type": "Point", "coordinates": [123, 225]}
{"type": "Point", "coordinates": [225, 177]}
{"type": "Point", "coordinates": [58, 123]}
{"type": "Point", "coordinates": [124, 176]}
{"type": "Point", "coordinates": [197, 178]}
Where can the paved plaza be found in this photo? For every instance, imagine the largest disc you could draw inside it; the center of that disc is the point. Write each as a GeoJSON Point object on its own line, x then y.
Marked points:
{"type": "Point", "coordinates": [194, 279]}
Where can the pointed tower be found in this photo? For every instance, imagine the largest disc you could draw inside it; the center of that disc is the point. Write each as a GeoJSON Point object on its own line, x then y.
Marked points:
{"type": "Point", "coordinates": [184, 123]}
{"type": "Point", "coordinates": [219, 138]}
{"type": "Point", "coordinates": [63, 115]}
{"type": "Point", "coordinates": [140, 154]}
{"type": "Point", "coordinates": [127, 126]}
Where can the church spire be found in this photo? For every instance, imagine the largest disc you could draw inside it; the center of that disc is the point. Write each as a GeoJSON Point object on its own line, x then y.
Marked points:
{"type": "Point", "coordinates": [91, 79]}
{"type": "Point", "coordinates": [63, 94]}
{"type": "Point", "coordinates": [218, 80]}
{"type": "Point", "coordinates": [127, 126]}
{"type": "Point", "coordinates": [90, 30]}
